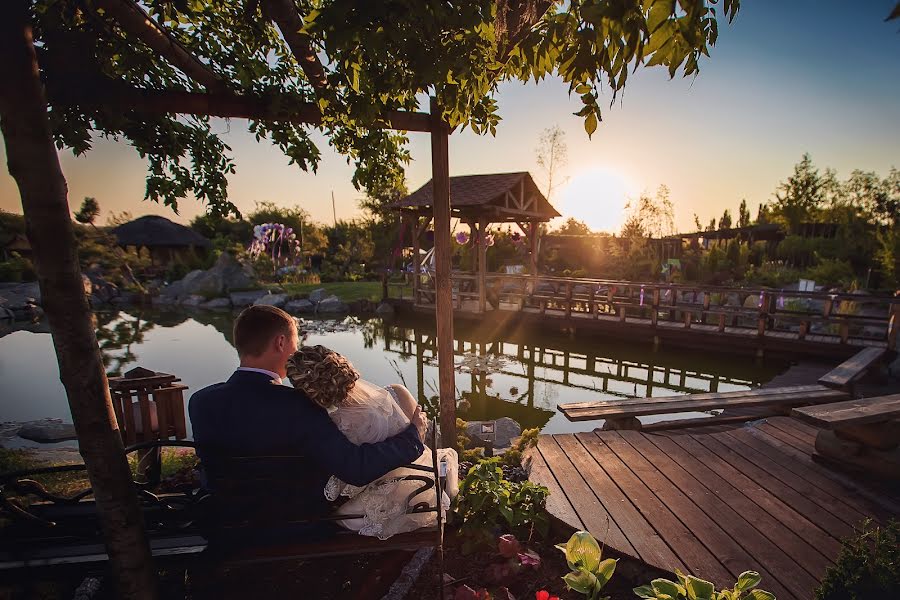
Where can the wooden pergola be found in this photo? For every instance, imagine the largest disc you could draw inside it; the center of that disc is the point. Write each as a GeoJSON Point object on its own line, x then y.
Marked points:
{"type": "Point", "coordinates": [478, 201]}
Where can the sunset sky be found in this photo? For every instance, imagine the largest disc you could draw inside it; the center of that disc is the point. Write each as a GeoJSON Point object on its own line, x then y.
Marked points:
{"type": "Point", "coordinates": [788, 77]}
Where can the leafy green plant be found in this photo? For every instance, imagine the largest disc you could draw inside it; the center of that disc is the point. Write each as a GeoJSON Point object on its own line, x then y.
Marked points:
{"type": "Point", "coordinates": [867, 567]}
{"type": "Point", "coordinates": [513, 457]}
{"type": "Point", "coordinates": [589, 571]}
{"type": "Point", "coordinates": [689, 587]}
{"type": "Point", "coordinates": [489, 503]}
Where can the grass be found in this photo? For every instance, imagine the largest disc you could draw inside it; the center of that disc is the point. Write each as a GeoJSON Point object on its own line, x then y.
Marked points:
{"type": "Point", "coordinates": [348, 291]}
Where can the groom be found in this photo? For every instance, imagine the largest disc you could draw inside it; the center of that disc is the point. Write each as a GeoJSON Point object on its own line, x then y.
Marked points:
{"type": "Point", "coordinates": [251, 414]}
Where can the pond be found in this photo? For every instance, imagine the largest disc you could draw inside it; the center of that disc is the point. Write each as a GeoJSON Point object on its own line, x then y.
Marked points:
{"type": "Point", "coordinates": [521, 374]}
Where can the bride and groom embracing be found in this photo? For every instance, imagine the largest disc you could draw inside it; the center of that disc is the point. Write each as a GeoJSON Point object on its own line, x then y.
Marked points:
{"type": "Point", "coordinates": [354, 435]}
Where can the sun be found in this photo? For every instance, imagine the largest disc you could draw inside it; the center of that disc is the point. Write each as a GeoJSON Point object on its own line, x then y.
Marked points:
{"type": "Point", "coordinates": [596, 196]}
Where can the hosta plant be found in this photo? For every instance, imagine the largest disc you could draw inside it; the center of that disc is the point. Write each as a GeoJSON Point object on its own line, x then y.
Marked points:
{"type": "Point", "coordinates": [689, 587]}
{"type": "Point", "coordinates": [589, 571]}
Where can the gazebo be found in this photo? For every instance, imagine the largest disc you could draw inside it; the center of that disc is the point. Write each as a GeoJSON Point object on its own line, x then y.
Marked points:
{"type": "Point", "coordinates": [479, 201]}
{"type": "Point", "coordinates": [164, 240]}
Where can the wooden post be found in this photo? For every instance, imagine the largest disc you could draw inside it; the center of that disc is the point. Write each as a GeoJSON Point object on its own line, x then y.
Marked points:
{"type": "Point", "coordinates": [893, 326]}
{"type": "Point", "coordinates": [534, 229]}
{"type": "Point", "coordinates": [482, 265]}
{"type": "Point", "coordinates": [440, 168]}
{"type": "Point", "coordinates": [416, 263]}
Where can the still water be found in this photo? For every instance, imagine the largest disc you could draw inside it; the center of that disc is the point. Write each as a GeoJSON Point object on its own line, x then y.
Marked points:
{"type": "Point", "coordinates": [520, 374]}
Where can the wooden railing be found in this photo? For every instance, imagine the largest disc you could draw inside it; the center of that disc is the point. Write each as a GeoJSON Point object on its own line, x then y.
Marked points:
{"type": "Point", "coordinates": [841, 317]}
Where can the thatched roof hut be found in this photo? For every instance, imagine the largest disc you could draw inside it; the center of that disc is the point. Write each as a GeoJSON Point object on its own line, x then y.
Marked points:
{"type": "Point", "coordinates": [164, 239]}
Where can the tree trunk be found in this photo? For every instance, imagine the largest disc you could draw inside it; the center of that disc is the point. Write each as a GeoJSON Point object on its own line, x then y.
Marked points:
{"type": "Point", "coordinates": [34, 164]}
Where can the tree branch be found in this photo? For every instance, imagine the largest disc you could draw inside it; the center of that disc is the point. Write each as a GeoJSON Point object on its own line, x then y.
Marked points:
{"type": "Point", "coordinates": [280, 107]}
{"type": "Point", "coordinates": [285, 15]}
{"type": "Point", "coordinates": [135, 21]}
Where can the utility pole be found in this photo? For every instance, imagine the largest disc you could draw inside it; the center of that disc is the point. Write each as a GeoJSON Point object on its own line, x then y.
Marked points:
{"type": "Point", "coordinates": [333, 211]}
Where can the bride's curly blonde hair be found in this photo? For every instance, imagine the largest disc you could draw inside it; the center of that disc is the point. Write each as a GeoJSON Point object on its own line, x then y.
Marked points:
{"type": "Point", "coordinates": [322, 374]}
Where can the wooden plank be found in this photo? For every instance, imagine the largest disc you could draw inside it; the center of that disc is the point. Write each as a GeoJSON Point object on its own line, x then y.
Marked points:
{"type": "Point", "coordinates": [701, 396]}
{"type": "Point", "coordinates": [832, 499]}
{"type": "Point", "coordinates": [774, 564]}
{"type": "Point", "coordinates": [851, 412]}
{"type": "Point", "coordinates": [783, 526]}
{"type": "Point", "coordinates": [644, 409]}
{"type": "Point", "coordinates": [558, 504]}
{"type": "Point", "coordinates": [790, 427]}
{"type": "Point", "coordinates": [831, 526]}
{"type": "Point", "coordinates": [583, 496]}
{"type": "Point", "coordinates": [852, 368]}
{"type": "Point", "coordinates": [785, 437]}
{"type": "Point", "coordinates": [817, 473]}
{"type": "Point", "coordinates": [731, 555]}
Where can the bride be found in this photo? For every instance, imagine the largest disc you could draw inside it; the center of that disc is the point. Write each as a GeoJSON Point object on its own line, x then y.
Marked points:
{"type": "Point", "coordinates": [366, 413]}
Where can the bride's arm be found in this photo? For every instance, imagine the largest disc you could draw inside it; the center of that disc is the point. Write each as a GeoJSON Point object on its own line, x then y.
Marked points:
{"type": "Point", "coordinates": [405, 399]}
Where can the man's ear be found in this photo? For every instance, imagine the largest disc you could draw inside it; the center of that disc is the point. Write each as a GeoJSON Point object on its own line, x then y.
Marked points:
{"type": "Point", "coordinates": [279, 343]}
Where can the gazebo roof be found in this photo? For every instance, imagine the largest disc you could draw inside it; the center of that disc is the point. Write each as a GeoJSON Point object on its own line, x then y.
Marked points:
{"type": "Point", "coordinates": [497, 197]}
{"type": "Point", "coordinates": [155, 231]}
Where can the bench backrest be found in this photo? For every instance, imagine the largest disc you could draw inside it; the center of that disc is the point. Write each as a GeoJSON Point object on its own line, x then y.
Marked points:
{"type": "Point", "coordinates": [852, 368]}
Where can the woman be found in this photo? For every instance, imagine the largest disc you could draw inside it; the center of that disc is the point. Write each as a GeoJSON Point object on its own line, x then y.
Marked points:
{"type": "Point", "coordinates": [366, 413]}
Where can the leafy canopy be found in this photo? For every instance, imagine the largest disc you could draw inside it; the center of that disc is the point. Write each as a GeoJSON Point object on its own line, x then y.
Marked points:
{"type": "Point", "coordinates": [377, 57]}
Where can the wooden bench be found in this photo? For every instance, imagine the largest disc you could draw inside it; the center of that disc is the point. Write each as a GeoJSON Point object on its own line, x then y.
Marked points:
{"type": "Point", "coordinates": [862, 433]}
{"type": "Point", "coordinates": [59, 536]}
{"type": "Point", "coordinates": [624, 413]}
{"type": "Point", "coordinates": [845, 374]}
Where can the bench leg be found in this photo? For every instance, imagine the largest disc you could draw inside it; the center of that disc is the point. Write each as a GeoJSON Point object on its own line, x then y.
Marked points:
{"type": "Point", "coordinates": [628, 423]}
{"type": "Point", "coordinates": [855, 455]}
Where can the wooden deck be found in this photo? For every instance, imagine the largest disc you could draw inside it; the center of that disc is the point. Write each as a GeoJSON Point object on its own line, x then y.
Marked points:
{"type": "Point", "coordinates": [711, 501]}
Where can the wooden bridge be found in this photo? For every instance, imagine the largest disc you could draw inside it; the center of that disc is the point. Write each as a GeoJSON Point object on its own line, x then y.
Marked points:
{"type": "Point", "coordinates": [712, 501]}
{"type": "Point", "coordinates": [748, 320]}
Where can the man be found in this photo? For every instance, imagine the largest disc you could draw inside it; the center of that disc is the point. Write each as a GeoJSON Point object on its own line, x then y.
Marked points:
{"type": "Point", "coordinates": [251, 414]}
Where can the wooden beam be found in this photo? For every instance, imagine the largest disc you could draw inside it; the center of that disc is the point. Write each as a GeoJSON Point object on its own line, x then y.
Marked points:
{"type": "Point", "coordinates": [482, 265]}
{"type": "Point", "coordinates": [416, 263]}
{"type": "Point", "coordinates": [135, 21]}
{"type": "Point", "coordinates": [285, 15]}
{"type": "Point", "coordinates": [440, 180]}
{"type": "Point", "coordinates": [281, 107]}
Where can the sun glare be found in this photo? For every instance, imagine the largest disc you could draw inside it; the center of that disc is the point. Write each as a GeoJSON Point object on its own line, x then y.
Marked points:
{"type": "Point", "coordinates": [597, 197]}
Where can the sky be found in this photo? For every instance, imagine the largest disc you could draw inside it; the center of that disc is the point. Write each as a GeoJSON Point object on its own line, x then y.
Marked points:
{"type": "Point", "coordinates": [787, 77]}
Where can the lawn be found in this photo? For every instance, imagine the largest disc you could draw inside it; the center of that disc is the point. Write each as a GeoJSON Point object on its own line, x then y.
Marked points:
{"type": "Point", "coordinates": [348, 291]}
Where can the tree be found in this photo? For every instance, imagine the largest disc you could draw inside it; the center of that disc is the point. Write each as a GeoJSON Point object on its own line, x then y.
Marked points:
{"type": "Point", "coordinates": [105, 73]}
{"type": "Point", "coordinates": [743, 214]}
{"type": "Point", "coordinates": [712, 225]}
{"type": "Point", "coordinates": [573, 226]}
{"type": "Point", "coordinates": [697, 225]}
{"type": "Point", "coordinates": [89, 211]}
{"type": "Point", "coordinates": [650, 217]}
{"type": "Point", "coordinates": [552, 155]}
{"type": "Point", "coordinates": [725, 221]}
{"type": "Point", "coordinates": [799, 198]}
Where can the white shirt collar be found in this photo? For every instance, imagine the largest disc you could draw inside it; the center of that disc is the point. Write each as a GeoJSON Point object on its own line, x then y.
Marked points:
{"type": "Point", "coordinates": [271, 374]}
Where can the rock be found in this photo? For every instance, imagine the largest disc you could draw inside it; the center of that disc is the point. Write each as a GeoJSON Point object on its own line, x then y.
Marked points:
{"type": "Point", "coordinates": [19, 294]}
{"type": "Point", "coordinates": [318, 295]}
{"type": "Point", "coordinates": [276, 300]}
{"type": "Point", "coordinates": [176, 288]}
{"type": "Point", "coordinates": [126, 298]}
{"type": "Point", "coordinates": [385, 309]}
{"type": "Point", "coordinates": [246, 298]}
{"type": "Point", "coordinates": [226, 275]}
{"type": "Point", "coordinates": [332, 304]}
{"type": "Point", "coordinates": [504, 431]}
{"type": "Point", "coordinates": [302, 306]}
{"type": "Point", "coordinates": [217, 303]}
{"type": "Point", "coordinates": [162, 300]}
{"type": "Point", "coordinates": [193, 300]}
{"type": "Point", "coordinates": [47, 431]}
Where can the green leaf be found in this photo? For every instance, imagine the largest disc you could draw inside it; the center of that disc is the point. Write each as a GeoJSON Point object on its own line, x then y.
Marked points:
{"type": "Point", "coordinates": [582, 549]}
{"type": "Point", "coordinates": [590, 124]}
{"type": "Point", "coordinates": [747, 581]}
{"type": "Point", "coordinates": [605, 571]}
{"type": "Point", "coordinates": [583, 88]}
{"type": "Point", "coordinates": [659, 12]}
{"type": "Point", "coordinates": [664, 586]}
{"type": "Point", "coordinates": [760, 595]}
{"type": "Point", "coordinates": [582, 581]}
{"type": "Point", "coordinates": [644, 591]}
{"type": "Point", "coordinates": [699, 589]}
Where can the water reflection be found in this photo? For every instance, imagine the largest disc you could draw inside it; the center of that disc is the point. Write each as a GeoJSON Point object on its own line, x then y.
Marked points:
{"type": "Point", "coordinates": [521, 374]}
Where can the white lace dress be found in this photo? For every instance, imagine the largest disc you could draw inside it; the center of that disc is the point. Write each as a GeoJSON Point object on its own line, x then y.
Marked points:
{"type": "Point", "coordinates": [372, 414]}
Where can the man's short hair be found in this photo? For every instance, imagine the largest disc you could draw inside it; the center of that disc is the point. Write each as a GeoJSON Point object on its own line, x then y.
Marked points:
{"type": "Point", "coordinates": [257, 326]}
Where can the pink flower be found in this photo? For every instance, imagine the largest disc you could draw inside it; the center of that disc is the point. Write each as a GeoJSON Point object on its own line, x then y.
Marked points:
{"type": "Point", "coordinates": [462, 238]}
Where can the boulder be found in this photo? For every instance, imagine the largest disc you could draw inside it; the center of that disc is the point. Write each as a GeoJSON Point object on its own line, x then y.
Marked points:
{"type": "Point", "coordinates": [47, 431]}
{"type": "Point", "coordinates": [193, 300]}
{"type": "Point", "coordinates": [226, 275]}
{"type": "Point", "coordinates": [276, 300]}
{"type": "Point", "coordinates": [301, 307]}
{"type": "Point", "coordinates": [162, 300]}
{"type": "Point", "coordinates": [385, 309]}
{"type": "Point", "coordinates": [246, 298]}
{"type": "Point", "coordinates": [499, 433]}
{"type": "Point", "coordinates": [318, 295]}
{"type": "Point", "coordinates": [19, 294]}
{"type": "Point", "coordinates": [217, 303]}
{"type": "Point", "coordinates": [332, 304]}
{"type": "Point", "coordinates": [126, 298]}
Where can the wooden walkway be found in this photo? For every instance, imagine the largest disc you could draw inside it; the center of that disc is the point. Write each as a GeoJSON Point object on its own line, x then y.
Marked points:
{"type": "Point", "coordinates": [711, 501]}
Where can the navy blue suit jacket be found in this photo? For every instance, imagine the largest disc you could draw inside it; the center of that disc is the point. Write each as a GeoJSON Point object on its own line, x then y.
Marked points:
{"type": "Point", "coordinates": [252, 415]}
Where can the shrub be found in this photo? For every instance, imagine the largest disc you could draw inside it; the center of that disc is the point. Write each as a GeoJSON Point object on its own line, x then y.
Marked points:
{"type": "Point", "coordinates": [17, 269]}
{"type": "Point", "coordinates": [589, 571]}
{"type": "Point", "coordinates": [868, 566]}
{"type": "Point", "coordinates": [689, 587]}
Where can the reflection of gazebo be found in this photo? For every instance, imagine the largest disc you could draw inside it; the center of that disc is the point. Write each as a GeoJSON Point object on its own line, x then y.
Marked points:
{"type": "Point", "coordinates": [478, 201]}
{"type": "Point", "coordinates": [164, 240]}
